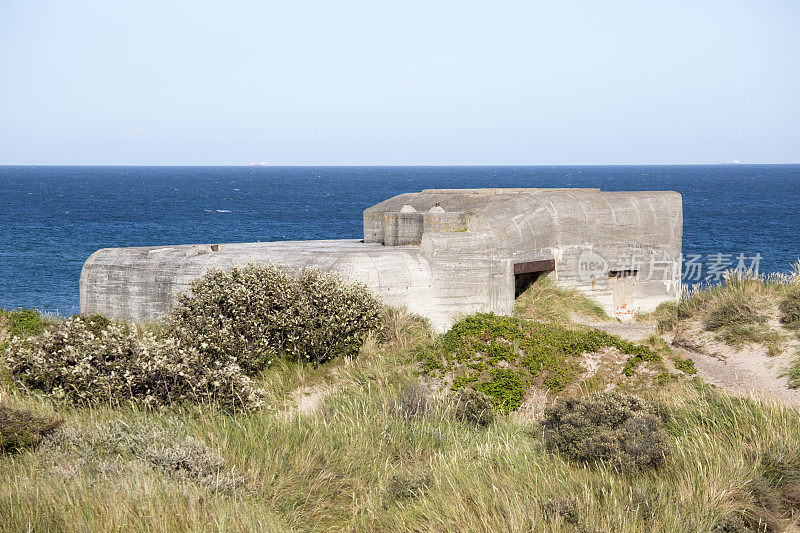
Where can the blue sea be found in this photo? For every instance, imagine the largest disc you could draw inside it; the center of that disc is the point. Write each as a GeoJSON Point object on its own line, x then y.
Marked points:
{"type": "Point", "coordinates": [52, 218]}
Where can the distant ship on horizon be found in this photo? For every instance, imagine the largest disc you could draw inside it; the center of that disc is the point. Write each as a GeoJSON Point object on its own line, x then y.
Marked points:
{"type": "Point", "coordinates": [258, 164]}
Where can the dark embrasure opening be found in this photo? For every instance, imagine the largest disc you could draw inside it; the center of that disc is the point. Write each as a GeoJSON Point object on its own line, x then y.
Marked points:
{"type": "Point", "coordinates": [525, 280]}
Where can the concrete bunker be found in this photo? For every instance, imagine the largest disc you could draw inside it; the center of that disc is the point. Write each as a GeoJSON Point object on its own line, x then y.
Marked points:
{"type": "Point", "coordinates": [441, 253]}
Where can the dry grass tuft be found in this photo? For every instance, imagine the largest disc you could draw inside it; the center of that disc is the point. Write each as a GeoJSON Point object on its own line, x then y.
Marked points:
{"type": "Point", "coordinates": [790, 310]}
{"type": "Point", "coordinates": [544, 301]}
{"type": "Point", "coordinates": [23, 429]}
{"type": "Point", "coordinates": [739, 310]}
{"type": "Point", "coordinates": [402, 331]}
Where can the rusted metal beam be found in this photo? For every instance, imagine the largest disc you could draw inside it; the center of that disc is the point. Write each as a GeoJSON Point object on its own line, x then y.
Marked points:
{"type": "Point", "coordinates": [534, 266]}
{"type": "Point", "coordinates": [622, 273]}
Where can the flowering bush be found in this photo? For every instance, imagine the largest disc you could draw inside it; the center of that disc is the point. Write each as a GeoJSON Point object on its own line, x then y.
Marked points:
{"type": "Point", "coordinates": [81, 362]}
{"type": "Point", "coordinates": [259, 313]}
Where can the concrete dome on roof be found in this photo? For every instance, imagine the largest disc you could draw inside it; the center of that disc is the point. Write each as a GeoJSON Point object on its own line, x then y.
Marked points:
{"type": "Point", "coordinates": [442, 253]}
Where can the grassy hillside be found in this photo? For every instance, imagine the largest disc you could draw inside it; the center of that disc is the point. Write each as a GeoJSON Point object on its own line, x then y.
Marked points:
{"type": "Point", "coordinates": [544, 301]}
{"type": "Point", "coordinates": [375, 442]}
{"type": "Point", "coordinates": [359, 462]}
{"type": "Point", "coordinates": [761, 314]}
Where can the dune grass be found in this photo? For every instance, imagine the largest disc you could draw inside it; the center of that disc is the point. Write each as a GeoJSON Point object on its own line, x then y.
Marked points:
{"type": "Point", "coordinates": [738, 310]}
{"type": "Point", "coordinates": [793, 371]}
{"type": "Point", "coordinates": [544, 301]}
{"type": "Point", "coordinates": [382, 452]}
{"type": "Point", "coordinates": [360, 462]}
{"type": "Point", "coordinates": [357, 464]}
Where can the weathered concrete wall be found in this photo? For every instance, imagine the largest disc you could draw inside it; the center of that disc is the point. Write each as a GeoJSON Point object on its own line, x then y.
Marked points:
{"type": "Point", "coordinates": [441, 253]}
{"type": "Point", "coordinates": [639, 231]}
{"type": "Point", "coordinates": [143, 283]}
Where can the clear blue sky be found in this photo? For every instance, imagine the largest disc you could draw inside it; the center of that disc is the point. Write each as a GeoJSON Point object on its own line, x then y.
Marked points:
{"type": "Point", "coordinates": [412, 82]}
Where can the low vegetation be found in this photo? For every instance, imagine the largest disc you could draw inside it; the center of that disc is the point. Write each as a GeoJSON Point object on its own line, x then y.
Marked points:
{"type": "Point", "coordinates": [503, 357]}
{"type": "Point", "coordinates": [231, 324]}
{"type": "Point", "coordinates": [358, 463]}
{"type": "Point", "coordinates": [793, 372]}
{"type": "Point", "coordinates": [85, 362]}
{"type": "Point", "coordinates": [616, 428]}
{"type": "Point", "coordinates": [790, 309]}
{"type": "Point", "coordinates": [19, 323]}
{"type": "Point", "coordinates": [665, 316]}
{"type": "Point", "coordinates": [685, 365]}
{"type": "Point", "coordinates": [473, 407]}
{"type": "Point", "coordinates": [23, 429]}
{"type": "Point", "coordinates": [387, 444]}
{"type": "Point", "coordinates": [740, 311]}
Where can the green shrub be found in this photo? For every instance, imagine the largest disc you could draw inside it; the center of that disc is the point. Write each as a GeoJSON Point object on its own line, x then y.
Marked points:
{"type": "Point", "coordinates": [260, 313]}
{"type": "Point", "coordinates": [94, 323]}
{"type": "Point", "coordinates": [473, 407]}
{"type": "Point", "coordinates": [20, 323]}
{"type": "Point", "coordinates": [505, 388]}
{"type": "Point", "coordinates": [503, 356]}
{"type": "Point", "coordinates": [640, 356]}
{"type": "Point", "coordinates": [614, 427]}
{"type": "Point", "coordinates": [124, 364]}
{"type": "Point", "coordinates": [790, 310]}
{"type": "Point", "coordinates": [686, 366]}
{"type": "Point", "coordinates": [22, 429]}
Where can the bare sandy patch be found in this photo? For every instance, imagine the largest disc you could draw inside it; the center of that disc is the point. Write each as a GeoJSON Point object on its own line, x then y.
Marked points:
{"type": "Point", "coordinates": [744, 371]}
{"type": "Point", "coordinates": [306, 400]}
{"type": "Point", "coordinates": [631, 331]}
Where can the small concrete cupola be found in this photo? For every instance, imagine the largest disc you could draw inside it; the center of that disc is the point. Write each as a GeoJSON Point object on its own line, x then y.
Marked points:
{"type": "Point", "coordinates": [403, 227]}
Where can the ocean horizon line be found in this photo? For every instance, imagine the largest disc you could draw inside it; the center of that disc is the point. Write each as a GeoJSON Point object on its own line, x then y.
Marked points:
{"type": "Point", "coordinates": [502, 165]}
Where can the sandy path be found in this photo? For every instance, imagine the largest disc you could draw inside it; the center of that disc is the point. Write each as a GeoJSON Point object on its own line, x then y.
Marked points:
{"type": "Point", "coordinates": [745, 372]}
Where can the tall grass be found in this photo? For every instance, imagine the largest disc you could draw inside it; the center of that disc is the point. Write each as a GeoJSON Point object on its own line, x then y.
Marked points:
{"type": "Point", "coordinates": [357, 464]}
{"type": "Point", "coordinates": [793, 372]}
{"type": "Point", "coordinates": [544, 301]}
{"type": "Point", "coordinates": [739, 309]}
